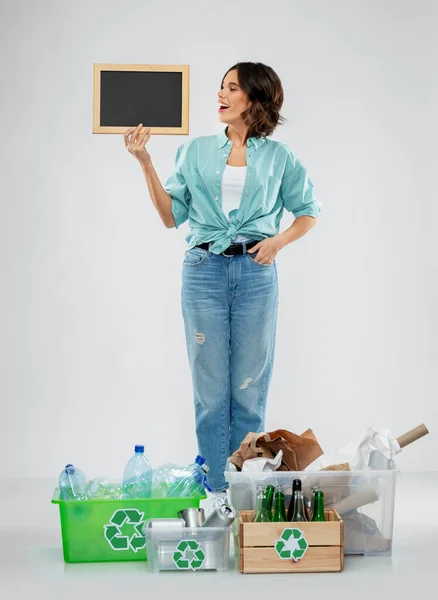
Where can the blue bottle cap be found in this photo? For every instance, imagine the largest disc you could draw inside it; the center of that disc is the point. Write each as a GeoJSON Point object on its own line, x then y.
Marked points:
{"type": "Point", "coordinates": [139, 449]}
{"type": "Point", "coordinates": [200, 460]}
{"type": "Point", "coordinates": [69, 465]}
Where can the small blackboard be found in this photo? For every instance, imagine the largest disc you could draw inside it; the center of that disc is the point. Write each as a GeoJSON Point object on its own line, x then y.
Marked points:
{"type": "Point", "coordinates": [155, 95]}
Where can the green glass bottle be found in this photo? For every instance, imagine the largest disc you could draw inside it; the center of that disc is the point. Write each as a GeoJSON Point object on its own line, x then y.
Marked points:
{"type": "Point", "coordinates": [269, 492]}
{"type": "Point", "coordinates": [261, 513]}
{"type": "Point", "coordinates": [279, 506]}
{"type": "Point", "coordinates": [318, 513]}
{"type": "Point", "coordinates": [299, 510]}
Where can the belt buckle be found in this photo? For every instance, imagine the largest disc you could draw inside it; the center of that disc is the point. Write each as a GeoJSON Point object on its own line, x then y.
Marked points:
{"type": "Point", "coordinates": [229, 255]}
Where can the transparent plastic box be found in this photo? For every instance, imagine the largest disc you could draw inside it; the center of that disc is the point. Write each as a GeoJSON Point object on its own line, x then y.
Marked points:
{"type": "Point", "coordinates": [190, 549]}
{"type": "Point", "coordinates": [364, 499]}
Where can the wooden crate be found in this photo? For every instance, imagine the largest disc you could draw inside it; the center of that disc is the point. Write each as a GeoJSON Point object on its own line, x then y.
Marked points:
{"type": "Point", "coordinates": [257, 541]}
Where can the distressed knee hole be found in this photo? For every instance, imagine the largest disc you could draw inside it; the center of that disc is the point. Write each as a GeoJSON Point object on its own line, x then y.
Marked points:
{"type": "Point", "coordinates": [200, 337]}
{"type": "Point", "coordinates": [246, 382]}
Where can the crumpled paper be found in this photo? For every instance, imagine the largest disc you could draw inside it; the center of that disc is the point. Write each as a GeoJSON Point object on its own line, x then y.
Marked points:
{"type": "Point", "coordinates": [263, 464]}
{"type": "Point", "coordinates": [298, 450]}
{"type": "Point", "coordinates": [361, 535]}
{"type": "Point", "coordinates": [373, 449]}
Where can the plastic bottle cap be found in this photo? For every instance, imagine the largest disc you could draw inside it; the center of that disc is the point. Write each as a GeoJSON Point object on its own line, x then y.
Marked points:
{"type": "Point", "coordinates": [200, 460]}
{"type": "Point", "coordinates": [69, 465]}
{"type": "Point", "coordinates": [139, 449]}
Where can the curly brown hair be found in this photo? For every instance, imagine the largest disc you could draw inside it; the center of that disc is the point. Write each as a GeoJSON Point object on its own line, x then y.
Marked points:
{"type": "Point", "coordinates": [265, 91]}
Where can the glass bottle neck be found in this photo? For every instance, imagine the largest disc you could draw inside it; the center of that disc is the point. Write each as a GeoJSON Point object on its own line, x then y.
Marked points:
{"type": "Point", "coordinates": [299, 511]}
{"type": "Point", "coordinates": [318, 514]}
{"type": "Point", "coordinates": [260, 500]}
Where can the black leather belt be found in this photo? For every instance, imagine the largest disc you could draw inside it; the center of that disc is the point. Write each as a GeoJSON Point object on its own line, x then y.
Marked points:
{"type": "Point", "coordinates": [232, 250]}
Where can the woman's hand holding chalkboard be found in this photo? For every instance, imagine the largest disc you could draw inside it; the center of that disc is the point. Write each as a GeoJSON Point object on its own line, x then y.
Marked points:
{"type": "Point", "coordinates": [135, 140]}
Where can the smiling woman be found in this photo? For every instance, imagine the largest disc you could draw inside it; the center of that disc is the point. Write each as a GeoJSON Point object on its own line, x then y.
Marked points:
{"type": "Point", "coordinates": [232, 187]}
{"type": "Point", "coordinates": [253, 93]}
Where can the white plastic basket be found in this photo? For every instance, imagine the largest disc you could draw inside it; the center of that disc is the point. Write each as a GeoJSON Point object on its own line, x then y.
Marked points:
{"type": "Point", "coordinates": [364, 499]}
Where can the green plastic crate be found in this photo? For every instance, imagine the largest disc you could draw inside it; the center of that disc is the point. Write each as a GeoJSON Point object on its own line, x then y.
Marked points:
{"type": "Point", "coordinates": [111, 530]}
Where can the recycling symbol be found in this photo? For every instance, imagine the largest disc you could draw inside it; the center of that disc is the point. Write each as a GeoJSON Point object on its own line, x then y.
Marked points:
{"type": "Point", "coordinates": [124, 531]}
{"type": "Point", "coordinates": [292, 544]}
{"type": "Point", "coordinates": [188, 555]}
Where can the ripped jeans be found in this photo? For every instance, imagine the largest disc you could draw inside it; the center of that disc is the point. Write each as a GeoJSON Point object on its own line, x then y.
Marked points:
{"type": "Point", "coordinates": [229, 306]}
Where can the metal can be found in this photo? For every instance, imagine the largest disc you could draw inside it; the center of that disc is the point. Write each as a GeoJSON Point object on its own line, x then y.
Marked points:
{"type": "Point", "coordinates": [221, 517]}
{"type": "Point", "coordinates": [193, 517]}
{"type": "Point", "coordinates": [164, 525]}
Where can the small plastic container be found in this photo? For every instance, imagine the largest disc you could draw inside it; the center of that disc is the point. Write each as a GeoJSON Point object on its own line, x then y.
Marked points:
{"type": "Point", "coordinates": [364, 499]}
{"type": "Point", "coordinates": [191, 549]}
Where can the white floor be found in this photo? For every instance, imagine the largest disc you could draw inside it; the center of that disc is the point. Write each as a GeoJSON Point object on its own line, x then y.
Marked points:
{"type": "Point", "coordinates": [31, 562]}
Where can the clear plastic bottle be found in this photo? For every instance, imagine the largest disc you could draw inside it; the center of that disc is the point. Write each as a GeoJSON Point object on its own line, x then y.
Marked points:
{"type": "Point", "coordinates": [137, 476]}
{"type": "Point", "coordinates": [163, 478]}
{"type": "Point", "coordinates": [72, 484]}
{"type": "Point", "coordinates": [190, 481]}
{"type": "Point", "coordinates": [103, 489]}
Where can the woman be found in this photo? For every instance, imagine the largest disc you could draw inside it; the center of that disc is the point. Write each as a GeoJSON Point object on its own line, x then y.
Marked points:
{"type": "Point", "coordinates": [232, 187]}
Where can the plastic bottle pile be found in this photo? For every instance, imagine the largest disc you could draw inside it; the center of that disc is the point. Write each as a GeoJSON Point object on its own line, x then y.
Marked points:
{"type": "Point", "coordinates": [139, 481]}
{"type": "Point", "coordinates": [171, 481]}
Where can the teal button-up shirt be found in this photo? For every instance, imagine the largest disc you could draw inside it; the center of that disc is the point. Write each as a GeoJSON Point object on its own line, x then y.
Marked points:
{"type": "Point", "coordinates": [275, 180]}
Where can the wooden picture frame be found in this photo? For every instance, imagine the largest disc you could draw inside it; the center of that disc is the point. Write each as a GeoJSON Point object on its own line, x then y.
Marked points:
{"type": "Point", "coordinates": [171, 83]}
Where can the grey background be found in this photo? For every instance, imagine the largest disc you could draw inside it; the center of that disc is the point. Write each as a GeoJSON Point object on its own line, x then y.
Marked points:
{"type": "Point", "coordinates": [92, 342]}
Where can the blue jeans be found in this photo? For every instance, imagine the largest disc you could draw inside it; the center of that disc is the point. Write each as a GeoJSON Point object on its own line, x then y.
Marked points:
{"type": "Point", "coordinates": [229, 306]}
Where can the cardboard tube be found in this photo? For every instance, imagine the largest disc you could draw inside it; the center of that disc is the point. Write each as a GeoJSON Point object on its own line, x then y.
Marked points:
{"type": "Point", "coordinates": [365, 495]}
{"type": "Point", "coordinates": [412, 435]}
{"type": "Point", "coordinates": [339, 467]}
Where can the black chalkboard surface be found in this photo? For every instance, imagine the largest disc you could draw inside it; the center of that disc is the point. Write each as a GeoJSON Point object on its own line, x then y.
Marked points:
{"type": "Point", "coordinates": [155, 95]}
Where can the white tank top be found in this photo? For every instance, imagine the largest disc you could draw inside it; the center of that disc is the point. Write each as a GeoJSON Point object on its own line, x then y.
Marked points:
{"type": "Point", "coordinates": [232, 187]}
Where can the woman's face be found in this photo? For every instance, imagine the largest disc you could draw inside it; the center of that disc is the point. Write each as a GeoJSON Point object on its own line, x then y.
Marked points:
{"type": "Point", "coordinates": [234, 98]}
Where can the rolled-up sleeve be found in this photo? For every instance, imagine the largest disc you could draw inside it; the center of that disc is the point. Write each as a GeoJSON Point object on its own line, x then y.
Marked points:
{"type": "Point", "coordinates": [296, 189]}
{"type": "Point", "coordinates": [176, 186]}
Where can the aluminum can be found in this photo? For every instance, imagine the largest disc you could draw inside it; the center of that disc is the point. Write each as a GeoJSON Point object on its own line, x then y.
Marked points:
{"type": "Point", "coordinates": [193, 517]}
{"type": "Point", "coordinates": [221, 517]}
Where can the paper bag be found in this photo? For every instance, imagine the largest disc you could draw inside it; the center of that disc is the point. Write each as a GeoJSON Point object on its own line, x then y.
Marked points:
{"type": "Point", "coordinates": [298, 450]}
